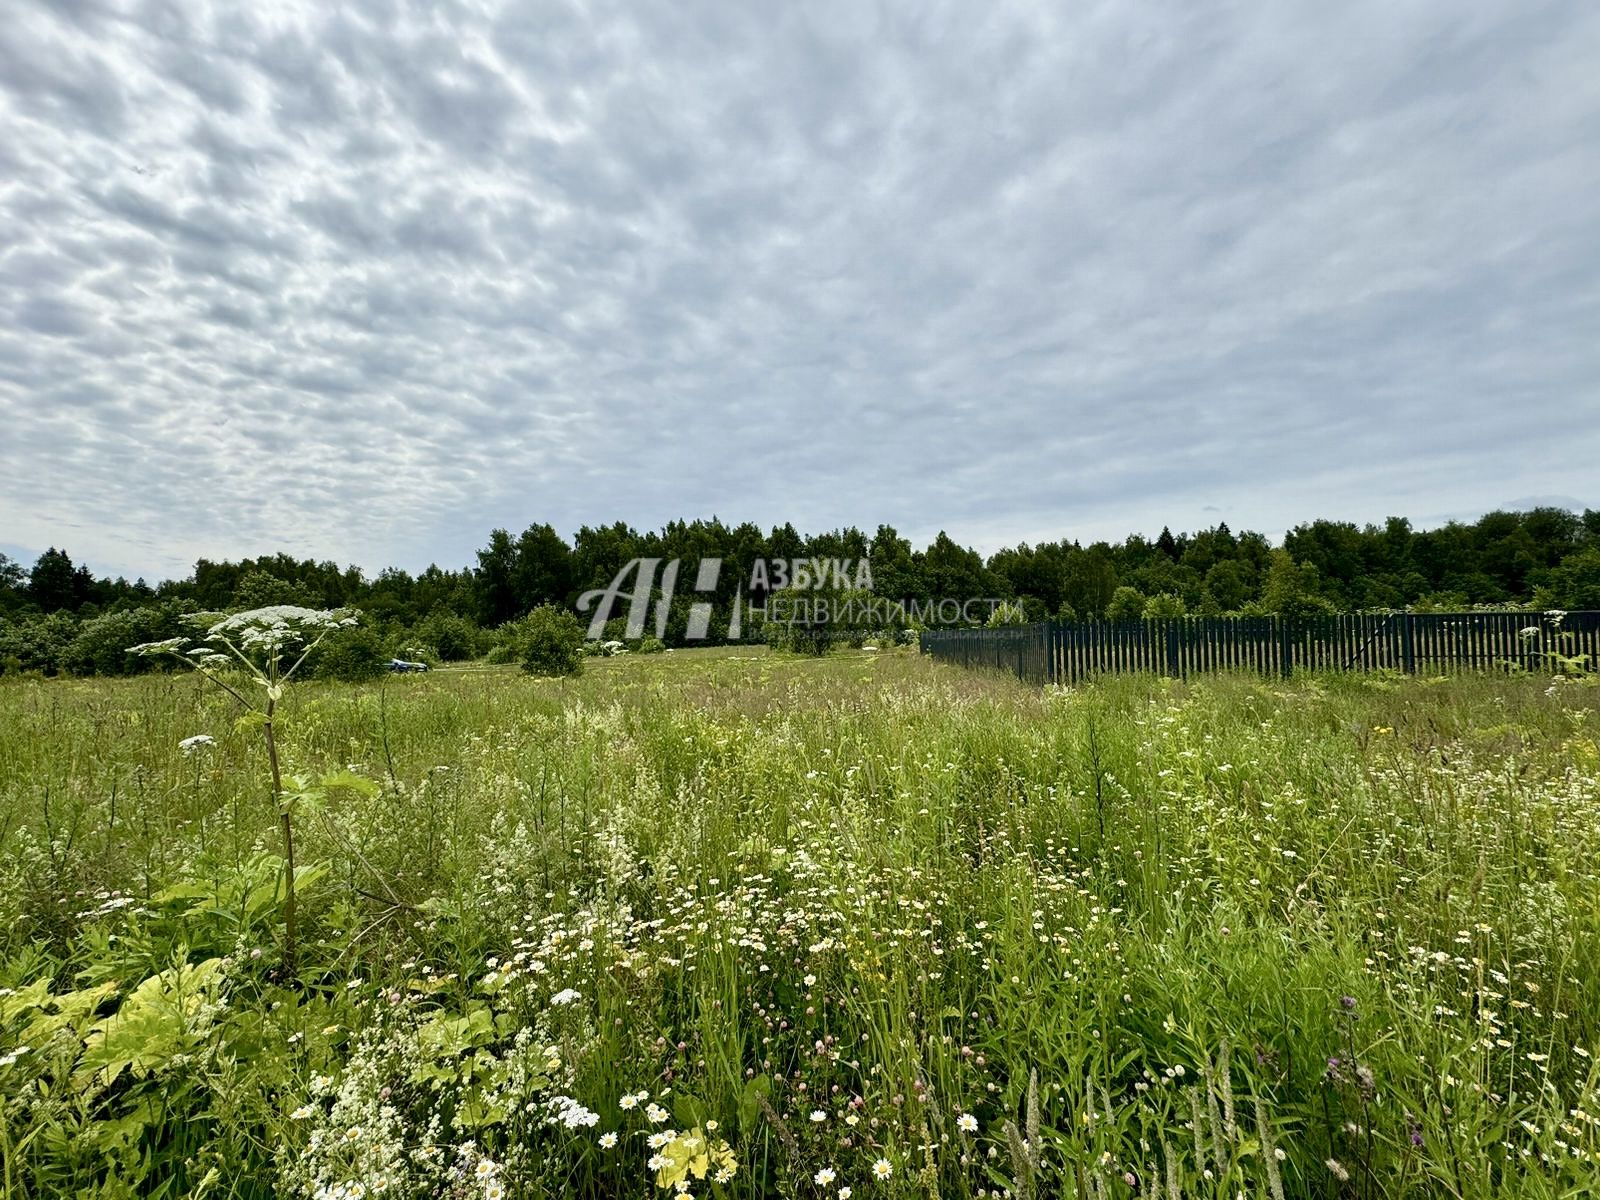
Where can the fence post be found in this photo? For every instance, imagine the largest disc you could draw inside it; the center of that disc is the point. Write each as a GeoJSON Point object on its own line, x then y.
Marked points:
{"type": "Point", "coordinates": [1285, 647]}
{"type": "Point", "coordinates": [1408, 645]}
{"type": "Point", "coordinates": [1172, 647]}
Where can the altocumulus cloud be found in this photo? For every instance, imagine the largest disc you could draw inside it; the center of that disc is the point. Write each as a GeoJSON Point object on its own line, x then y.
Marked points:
{"type": "Point", "coordinates": [361, 280]}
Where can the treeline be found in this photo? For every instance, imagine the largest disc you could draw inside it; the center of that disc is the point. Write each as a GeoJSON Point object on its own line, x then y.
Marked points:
{"type": "Point", "coordinates": [59, 617]}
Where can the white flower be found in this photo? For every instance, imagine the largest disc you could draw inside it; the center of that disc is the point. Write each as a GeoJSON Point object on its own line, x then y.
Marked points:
{"type": "Point", "coordinates": [190, 744]}
{"type": "Point", "coordinates": [967, 1123]}
{"type": "Point", "coordinates": [304, 1111]}
{"type": "Point", "coordinates": [565, 996]}
{"type": "Point", "coordinates": [573, 1115]}
{"type": "Point", "coordinates": [844, 1193]}
{"type": "Point", "coordinates": [824, 1177]}
{"type": "Point", "coordinates": [882, 1169]}
{"type": "Point", "coordinates": [818, 1116]}
{"type": "Point", "coordinates": [627, 1102]}
{"type": "Point", "coordinates": [171, 645]}
{"type": "Point", "coordinates": [655, 1114]}
{"type": "Point", "coordinates": [607, 1140]}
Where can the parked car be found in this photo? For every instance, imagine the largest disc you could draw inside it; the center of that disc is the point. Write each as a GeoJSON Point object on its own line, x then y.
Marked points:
{"type": "Point", "coordinates": [400, 664]}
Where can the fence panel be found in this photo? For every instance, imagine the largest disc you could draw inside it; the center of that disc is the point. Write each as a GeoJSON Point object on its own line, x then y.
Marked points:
{"type": "Point", "coordinates": [1431, 643]}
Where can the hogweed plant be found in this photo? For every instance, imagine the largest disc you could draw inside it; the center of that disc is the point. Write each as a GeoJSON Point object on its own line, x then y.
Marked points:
{"type": "Point", "coordinates": [252, 656]}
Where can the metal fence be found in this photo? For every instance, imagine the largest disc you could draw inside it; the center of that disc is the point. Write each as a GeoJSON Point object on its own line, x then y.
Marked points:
{"type": "Point", "coordinates": [1065, 652]}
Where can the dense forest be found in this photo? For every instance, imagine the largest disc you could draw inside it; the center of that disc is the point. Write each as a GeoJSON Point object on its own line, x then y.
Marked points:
{"type": "Point", "coordinates": [58, 617]}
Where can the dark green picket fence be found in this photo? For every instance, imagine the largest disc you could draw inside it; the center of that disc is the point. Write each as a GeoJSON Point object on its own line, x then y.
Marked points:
{"type": "Point", "coordinates": [1065, 652]}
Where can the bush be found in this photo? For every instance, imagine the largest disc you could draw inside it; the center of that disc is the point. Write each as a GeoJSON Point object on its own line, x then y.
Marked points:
{"type": "Point", "coordinates": [351, 655]}
{"type": "Point", "coordinates": [100, 646]}
{"type": "Point", "coordinates": [453, 638]}
{"type": "Point", "coordinates": [616, 630]}
{"type": "Point", "coordinates": [651, 645]}
{"type": "Point", "coordinates": [1164, 607]}
{"type": "Point", "coordinates": [551, 642]}
{"type": "Point", "coordinates": [1008, 613]}
{"type": "Point", "coordinates": [814, 620]}
{"type": "Point", "coordinates": [39, 643]}
{"type": "Point", "coordinates": [1127, 604]}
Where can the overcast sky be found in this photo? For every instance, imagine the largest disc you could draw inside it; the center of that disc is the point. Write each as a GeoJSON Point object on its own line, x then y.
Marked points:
{"type": "Point", "coordinates": [363, 281]}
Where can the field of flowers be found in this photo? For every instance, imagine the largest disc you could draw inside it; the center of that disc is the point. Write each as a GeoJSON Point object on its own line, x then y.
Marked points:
{"type": "Point", "coordinates": [737, 924]}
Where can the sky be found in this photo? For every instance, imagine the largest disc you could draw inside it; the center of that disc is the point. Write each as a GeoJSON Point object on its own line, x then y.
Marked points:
{"type": "Point", "coordinates": [364, 281]}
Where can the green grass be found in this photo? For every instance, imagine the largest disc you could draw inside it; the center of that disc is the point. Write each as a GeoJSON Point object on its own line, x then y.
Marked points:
{"type": "Point", "coordinates": [1355, 920]}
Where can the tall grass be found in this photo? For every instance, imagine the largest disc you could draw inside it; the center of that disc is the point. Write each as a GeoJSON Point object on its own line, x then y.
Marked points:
{"type": "Point", "coordinates": [878, 924]}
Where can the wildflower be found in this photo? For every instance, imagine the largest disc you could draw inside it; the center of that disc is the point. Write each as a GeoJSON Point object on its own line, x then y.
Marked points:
{"type": "Point", "coordinates": [628, 1102]}
{"type": "Point", "coordinates": [564, 996]}
{"type": "Point", "coordinates": [882, 1169]}
{"type": "Point", "coordinates": [967, 1123]}
{"type": "Point", "coordinates": [818, 1116]}
{"type": "Point", "coordinates": [824, 1177]}
{"type": "Point", "coordinates": [607, 1141]}
{"type": "Point", "coordinates": [655, 1114]}
{"type": "Point", "coordinates": [844, 1193]}
{"type": "Point", "coordinates": [573, 1115]}
{"type": "Point", "coordinates": [190, 744]}
{"type": "Point", "coordinates": [1339, 1172]}
{"type": "Point", "coordinates": [304, 1111]}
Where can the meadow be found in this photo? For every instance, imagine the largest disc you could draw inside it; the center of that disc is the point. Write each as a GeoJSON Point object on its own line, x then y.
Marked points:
{"type": "Point", "coordinates": [734, 923]}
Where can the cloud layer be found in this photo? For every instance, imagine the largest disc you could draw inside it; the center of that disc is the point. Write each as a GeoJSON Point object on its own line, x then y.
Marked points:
{"type": "Point", "coordinates": [361, 281]}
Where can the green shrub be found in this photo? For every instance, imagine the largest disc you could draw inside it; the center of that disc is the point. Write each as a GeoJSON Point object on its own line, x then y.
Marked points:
{"type": "Point", "coordinates": [550, 642]}
{"type": "Point", "coordinates": [1164, 607]}
{"type": "Point", "coordinates": [814, 620]}
{"type": "Point", "coordinates": [39, 643]}
{"type": "Point", "coordinates": [651, 645]}
{"type": "Point", "coordinates": [1008, 613]}
{"type": "Point", "coordinates": [351, 655]}
{"type": "Point", "coordinates": [1127, 604]}
{"type": "Point", "coordinates": [453, 638]}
